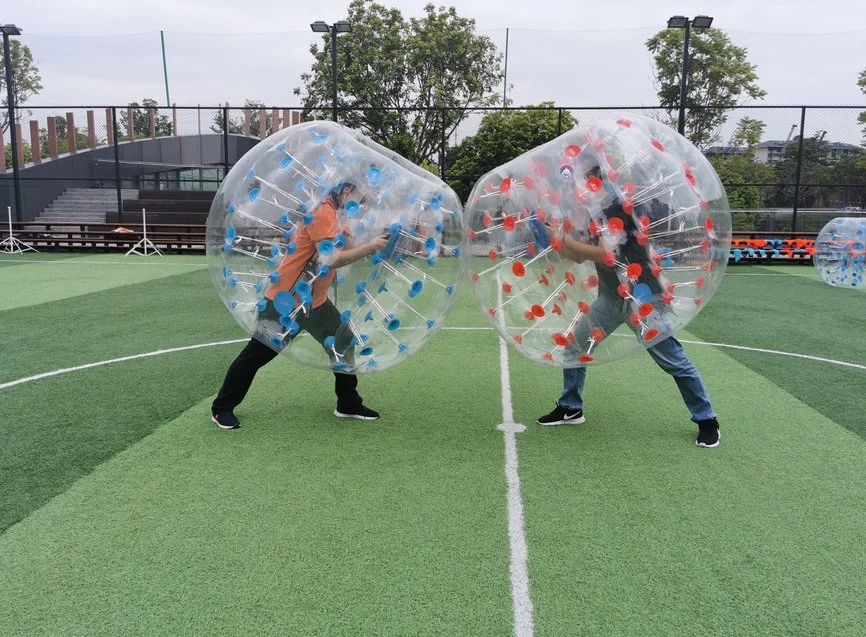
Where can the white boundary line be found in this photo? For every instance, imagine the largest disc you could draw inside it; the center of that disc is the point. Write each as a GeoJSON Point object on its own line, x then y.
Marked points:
{"type": "Point", "coordinates": [778, 352]}
{"type": "Point", "coordinates": [159, 352]}
{"type": "Point", "coordinates": [506, 387]}
{"type": "Point", "coordinates": [75, 261]}
{"type": "Point", "coordinates": [520, 600]}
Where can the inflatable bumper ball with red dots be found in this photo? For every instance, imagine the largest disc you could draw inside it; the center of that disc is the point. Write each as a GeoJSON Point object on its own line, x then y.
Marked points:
{"type": "Point", "coordinates": [647, 201]}
{"type": "Point", "coordinates": [286, 211]}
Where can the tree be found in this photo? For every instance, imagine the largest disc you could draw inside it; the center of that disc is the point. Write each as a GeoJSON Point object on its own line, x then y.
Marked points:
{"type": "Point", "coordinates": [391, 66]}
{"type": "Point", "coordinates": [25, 150]}
{"type": "Point", "coordinates": [719, 76]}
{"type": "Point", "coordinates": [850, 173]}
{"type": "Point", "coordinates": [62, 131]}
{"type": "Point", "coordinates": [236, 122]}
{"type": "Point", "coordinates": [748, 134]}
{"type": "Point", "coordinates": [815, 168]}
{"type": "Point", "coordinates": [502, 136]}
{"type": "Point", "coordinates": [141, 120]}
{"type": "Point", "coordinates": [861, 82]}
{"type": "Point", "coordinates": [26, 82]}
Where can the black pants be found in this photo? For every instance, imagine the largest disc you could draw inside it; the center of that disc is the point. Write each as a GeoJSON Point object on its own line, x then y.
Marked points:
{"type": "Point", "coordinates": [320, 323]}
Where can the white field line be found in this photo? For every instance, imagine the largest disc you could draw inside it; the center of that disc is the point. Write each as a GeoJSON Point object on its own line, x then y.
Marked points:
{"type": "Point", "coordinates": [520, 600]}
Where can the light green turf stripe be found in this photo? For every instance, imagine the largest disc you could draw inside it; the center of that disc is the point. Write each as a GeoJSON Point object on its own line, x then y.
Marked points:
{"type": "Point", "coordinates": [800, 270]}
{"type": "Point", "coordinates": [55, 279]}
{"type": "Point", "coordinates": [297, 524]}
{"type": "Point", "coordinates": [633, 530]}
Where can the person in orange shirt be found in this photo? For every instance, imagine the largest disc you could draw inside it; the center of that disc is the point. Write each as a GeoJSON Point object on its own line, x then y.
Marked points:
{"type": "Point", "coordinates": [321, 321]}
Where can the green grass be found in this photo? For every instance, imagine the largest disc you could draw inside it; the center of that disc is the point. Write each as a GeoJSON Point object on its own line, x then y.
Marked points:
{"type": "Point", "coordinates": [797, 314]}
{"type": "Point", "coordinates": [124, 511]}
{"type": "Point", "coordinates": [57, 279]}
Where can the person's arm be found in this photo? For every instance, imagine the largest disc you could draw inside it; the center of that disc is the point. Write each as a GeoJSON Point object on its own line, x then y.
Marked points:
{"type": "Point", "coordinates": [350, 254]}
{"type": "Point", "coordinates": [574, 249]}
{"type": "Point", "coordinates": [581, 250]}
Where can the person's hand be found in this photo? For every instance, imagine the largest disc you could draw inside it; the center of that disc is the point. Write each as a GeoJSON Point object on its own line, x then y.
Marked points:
{"type": "Point", "coordinates": [552, 233]}
{"type": "Point", "coordinates": [378, 244]}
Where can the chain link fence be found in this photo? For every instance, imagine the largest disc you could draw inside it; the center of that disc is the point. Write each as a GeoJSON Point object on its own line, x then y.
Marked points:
{"type": "Point", "coordinates": [807, 168]}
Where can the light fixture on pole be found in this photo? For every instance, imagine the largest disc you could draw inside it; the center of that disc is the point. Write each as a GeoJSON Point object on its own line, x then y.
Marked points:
{"type": "Point", "coordinates": [343, 26]}
{"type": "Point", "coordinates": [11, 29]}
{"type": "Point", "coordinates": [682, 22]}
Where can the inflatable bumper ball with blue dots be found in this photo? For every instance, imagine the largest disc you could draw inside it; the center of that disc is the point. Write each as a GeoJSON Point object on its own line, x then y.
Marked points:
{"type": "Point", "coordinates": [333, 250]}
{"type": "Point", "coordinates": [840, 253]}
{"type": "Point", "coordinates": [643, 196]}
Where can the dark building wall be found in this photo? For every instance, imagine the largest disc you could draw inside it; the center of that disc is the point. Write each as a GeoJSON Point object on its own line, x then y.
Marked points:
{"type": "Point", "coordinates": [43, 183]}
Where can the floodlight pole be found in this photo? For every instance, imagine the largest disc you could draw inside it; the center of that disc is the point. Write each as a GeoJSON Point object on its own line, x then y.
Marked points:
{"type": "Point", "coordinates": [682, 22]}
{"type": "Point", "coordinates": [343, 26]}
{"type": "Point", "coordinates": [333, 29]}
{"type": "Point", "coordinates": [11, 29]}
{"type": "Point", "coordinates": [681, 121]}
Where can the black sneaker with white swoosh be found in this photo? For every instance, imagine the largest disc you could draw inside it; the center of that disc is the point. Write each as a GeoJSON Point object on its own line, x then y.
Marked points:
{"type": "Point", "coordinates": [562, 416]}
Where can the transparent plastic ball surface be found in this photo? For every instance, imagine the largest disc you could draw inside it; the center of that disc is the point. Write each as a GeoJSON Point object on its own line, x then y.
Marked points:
{"type": "Point", "coordinates": [599, 243]}
{"type": "Point", "coordinates": [840, 253]}
{"type": "Point", "coordinates": [333, 250]}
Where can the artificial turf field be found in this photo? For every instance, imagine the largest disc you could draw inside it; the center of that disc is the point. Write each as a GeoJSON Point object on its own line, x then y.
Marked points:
{"type": "Point", "coordinates": [124, 511]}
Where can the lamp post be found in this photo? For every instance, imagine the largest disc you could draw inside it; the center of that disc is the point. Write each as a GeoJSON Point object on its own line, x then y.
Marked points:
{"type": "Point", "coordinates": [11, 29]}
{"type": "Point", "coordinates": [682, 22]}
{"type": "Point", "coordinates": [343, 26]}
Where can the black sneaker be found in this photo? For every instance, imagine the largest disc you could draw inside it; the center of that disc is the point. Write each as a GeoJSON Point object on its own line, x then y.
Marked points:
{"type": "Point", "coordinates": [562, 416]}
{"type": "Point", "coordinates": [708, 433]}
{"type": "Point", "coordinates": [225, 420]}
{"type": "Point", "coordinates": [360, 412]}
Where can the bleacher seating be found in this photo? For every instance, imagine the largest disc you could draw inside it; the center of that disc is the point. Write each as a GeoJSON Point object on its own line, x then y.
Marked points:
{"type": "Point", "coordinates": [772, 248]}
{"type": "Point", "coordinates": [166, 207]}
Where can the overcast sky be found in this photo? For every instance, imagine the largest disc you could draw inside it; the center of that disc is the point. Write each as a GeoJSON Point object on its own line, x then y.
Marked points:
{"type": "Point", "coordinates": [94, 52]}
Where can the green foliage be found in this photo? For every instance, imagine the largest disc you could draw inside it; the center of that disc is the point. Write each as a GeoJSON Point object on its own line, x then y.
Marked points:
{"type": "Point", "coordinates": [236, 120]}
{"type": "Point", "coordinates": [27, 151]}
{"type": "Point", "coordinates": [815, 169]}
{"type": "Point", "coordinates": [850, 172]}
{"type": "Point", "coordinates": [62, 129]}
{"type": "Point", "coordinates": [141, 120]}
{"type": "Point", "coordinates": [26, 82]}
{"type": "Point", "coordinates": [719, 76]}
{"type": "Point", "coordinates": [404, 66]}
{"type": "Point", "coordinates": [735, 172]}
{"type": "Point", "coordinates": [748, 133]}
{"type": "Point", "coordinates": [502, 136]}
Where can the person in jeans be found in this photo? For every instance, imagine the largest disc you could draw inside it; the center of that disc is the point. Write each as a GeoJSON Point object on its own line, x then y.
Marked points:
{"type": "Point", "coordinates": [608, 312]}
{"type": "Point", "coordinates": [321, 321]}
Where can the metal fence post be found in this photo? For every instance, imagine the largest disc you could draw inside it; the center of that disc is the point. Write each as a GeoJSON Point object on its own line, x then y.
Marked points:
{"type": "Point", "coordinates": [799, 169]}
{"type": "Point", "coordinates": [225, 141]}
{"type": "Point", "coordinates": [559, 124]}
{"type": "Point", "coordinates": [117, 184]}
{"type": "Point", "coordinates": [442, 147]}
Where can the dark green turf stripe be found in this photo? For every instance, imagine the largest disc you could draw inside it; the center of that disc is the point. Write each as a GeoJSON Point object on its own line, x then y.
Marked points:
{"type": "Point", "coordinates": [794, 314]}
{"type": "Point", "coordinates": [633, 530]}
{"type": "Point", "coordinates": [44, 282]}
{"type": "Point", "coordinates": [297, 524]}
{"type": "Point", "coordinates": [170, 312]}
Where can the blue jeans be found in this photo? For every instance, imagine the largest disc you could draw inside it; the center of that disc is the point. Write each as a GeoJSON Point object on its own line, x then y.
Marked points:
{"type": "Point", "coordinates": [667, 353]}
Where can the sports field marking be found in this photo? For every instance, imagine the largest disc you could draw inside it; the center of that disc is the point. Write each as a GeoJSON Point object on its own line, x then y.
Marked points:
{"type": "Point", "coordinates": [123, 359]}
{"type": "Point", "coordinates": [803, 275]}
{"type": "Point", "coordinates": [74, 261]}
{"type": "Point", "coordinates": [778, 353]}
{"type": "Point", "coordinates": [521, 602]}
{"type": "Point", "coordinates": [66, 370]}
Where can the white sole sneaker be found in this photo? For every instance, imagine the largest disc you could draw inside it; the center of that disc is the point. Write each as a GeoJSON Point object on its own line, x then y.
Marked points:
{"type": "Point", "coordinates": [713, 446]}
{"type": "Point", "coordinates": [571, 421]}
{"type": "Point", "coordinates": [222, 426]}
{"type": "Point", "coordinates": [340, 414]}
